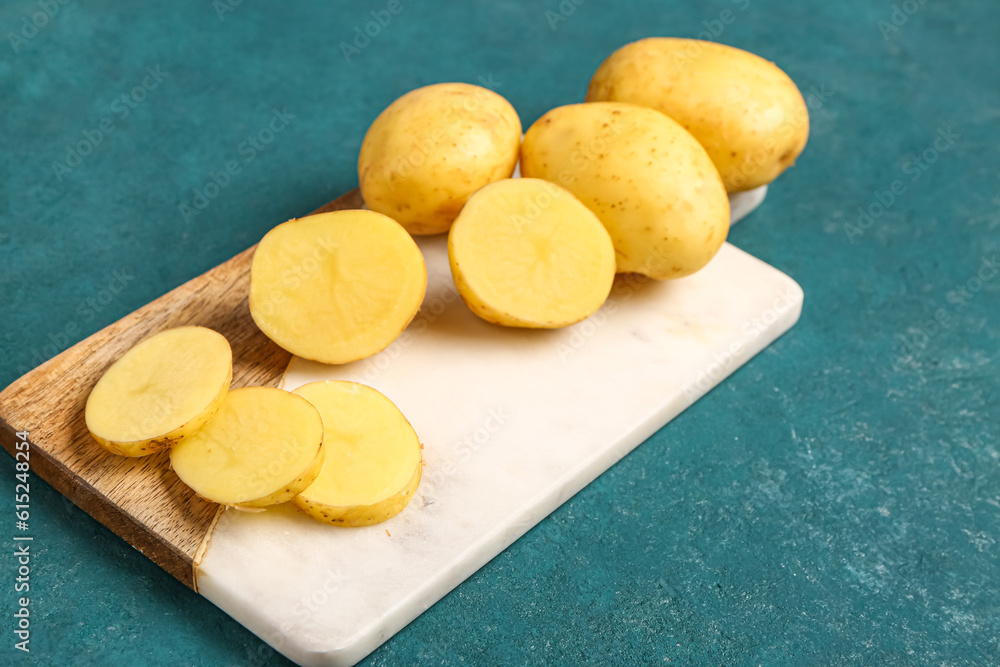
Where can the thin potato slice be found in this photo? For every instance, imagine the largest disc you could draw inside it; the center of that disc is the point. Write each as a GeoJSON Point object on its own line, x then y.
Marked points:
{"type": "Point", "coordinates": [526, 253]}
{"type": "Point", "coordinates": [373, 461]}
{"type": "Point", "coordinates": [161, 391]}
{"type": "Point", "coordinates": [336, 287]}
{"type": "Point", "coordinates": [263, 447]}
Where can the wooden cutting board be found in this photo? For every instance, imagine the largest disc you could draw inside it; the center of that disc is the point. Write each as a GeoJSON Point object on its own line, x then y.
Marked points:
{"type": "Point", "coordinates": [140, 499]}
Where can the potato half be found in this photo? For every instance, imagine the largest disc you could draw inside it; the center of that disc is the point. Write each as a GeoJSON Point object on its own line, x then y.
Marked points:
{"type": "Point", "coordinates": [646, 178]}
{"type": "Point", "coordinates": [161, 391]}
{"type": "Point", "coordinates": [336, 287]}
{"type": "Point", "coordinates": [745, 111]}
{"type": "Point", "coordinates": [373, 462]}
{"type": "Point", "coordinates": [432, 148]}
{"type": "Point", "coordinates": [263, 447]}
{"type": "Point", "coordinates": [526, 253]}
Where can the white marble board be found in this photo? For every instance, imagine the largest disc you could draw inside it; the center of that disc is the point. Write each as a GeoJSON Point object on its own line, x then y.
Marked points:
{"type": "Point", "coordinates": [513, 424]}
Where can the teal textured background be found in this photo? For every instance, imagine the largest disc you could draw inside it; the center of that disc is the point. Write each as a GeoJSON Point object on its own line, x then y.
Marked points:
{"type": "Point", "coordinates": [836, 501]}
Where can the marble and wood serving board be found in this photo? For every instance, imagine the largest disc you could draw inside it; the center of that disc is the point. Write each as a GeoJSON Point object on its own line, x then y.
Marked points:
{"type": "Point", "coordinates": [513, 423]}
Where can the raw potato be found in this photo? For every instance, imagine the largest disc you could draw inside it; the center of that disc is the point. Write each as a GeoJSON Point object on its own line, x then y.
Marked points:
{"type": "Point", "coordinates": [526, 253]}
{"type": "Point", "coordinates": [745, 111]}
{"type": "Point", "coordinates": [432, 148]}
{"type": "Point", "coordinates": [263, 447]}
{"type": "Point", "coordinates": [373, 461]}
{"type": "Point", "coordinates": [646, 178]}
{"type": "Point", "coordinates": [336, 287]}
{"type": "Point", "coordinates": [161, 391]}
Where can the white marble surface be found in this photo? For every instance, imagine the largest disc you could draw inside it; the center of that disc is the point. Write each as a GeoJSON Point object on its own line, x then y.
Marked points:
{"type": "Point", "coordinates": [513, 422]}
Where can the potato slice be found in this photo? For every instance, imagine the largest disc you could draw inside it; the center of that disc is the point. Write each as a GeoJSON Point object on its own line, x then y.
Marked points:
{"type": "Point", "coordinates": [161, 391]}
{"type": "Point", "coordinates": [373, 461]}
{"type": "Point", "coordinates": [527, 253]}
{"type": "Point", "coordinates": [336, 287]}
{"type": "Point", "coordinates": [262, 448]}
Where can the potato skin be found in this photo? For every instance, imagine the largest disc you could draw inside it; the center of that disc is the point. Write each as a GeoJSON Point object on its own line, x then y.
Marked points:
{"type": "Point", "coordinates": [648, 180]}
{"type": "Point", "coordinates": [432, 148]}
{"type": "Point", "coordinates": [363, 515]}
{"type": "Point", "coordinates": [745, 111]}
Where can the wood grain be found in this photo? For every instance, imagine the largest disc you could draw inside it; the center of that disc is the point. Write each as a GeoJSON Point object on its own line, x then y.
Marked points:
{"type": "Point", "coordinates": [140, 499]}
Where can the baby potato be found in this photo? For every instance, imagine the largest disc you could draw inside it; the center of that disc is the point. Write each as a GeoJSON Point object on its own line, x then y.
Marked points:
{"type": "Point", "coordinates": [744, 110]}
{"type": "Point", "coordinates": [646, 178]}
{"type": "Point", "coordinates": [432, 148]}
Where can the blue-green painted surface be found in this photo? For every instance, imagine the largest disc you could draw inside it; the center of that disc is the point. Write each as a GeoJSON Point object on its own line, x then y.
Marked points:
{"type": "Point", "coordinates": [836, 501]}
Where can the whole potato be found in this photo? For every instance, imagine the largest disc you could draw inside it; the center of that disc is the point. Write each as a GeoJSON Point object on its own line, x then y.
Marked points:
{"type": "Point", "coordinates": [646, 178]}
{"type": "Point", "coordinates": [744, 110]}
{"type": "Point", "coordinates": [432, 148]}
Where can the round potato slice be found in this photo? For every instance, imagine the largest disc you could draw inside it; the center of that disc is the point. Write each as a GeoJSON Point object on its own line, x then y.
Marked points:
{"type": "Point", "coordinates": [373, 461]}
{"type": "Point", "coordinates": [161, 391]}
{"type": "Point", "coordinates": [336, 287]}
{"type": "Point", "coordinates": [263, 447]}
{"type": "Point", "coordinates": [526, 253]}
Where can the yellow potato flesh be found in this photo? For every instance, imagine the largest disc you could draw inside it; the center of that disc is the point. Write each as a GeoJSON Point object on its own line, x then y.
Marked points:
{"type": "Point", "coordinates": [432, 148]}
{"type": "Point", "coordinates": [745, 111]}
{"type": "Point", "coordinates": [373, 461]}
{"type": "Point", "coordinates": [336, 287]}
{"type": "Point", "coordinates": [526, 253]}
{"type": "Point", "coordinates": [263, 447]}
{"type": "Point", "coordinates": [648, 180]}
{"type": "Point", "coordinates": [161, 391]}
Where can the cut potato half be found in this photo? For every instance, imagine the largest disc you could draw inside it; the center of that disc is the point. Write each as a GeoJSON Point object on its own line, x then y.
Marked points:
{"type": "Point", "coordinates": [373, 461]}
{"type": "Point", "coordinates": [161, 391]}
{"type": "Point", "coordinates": [526, 253]}
{"type": "Point", "coordinates": [263, 447]}
{"type": "Point", "coordinates": [336, 287]}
